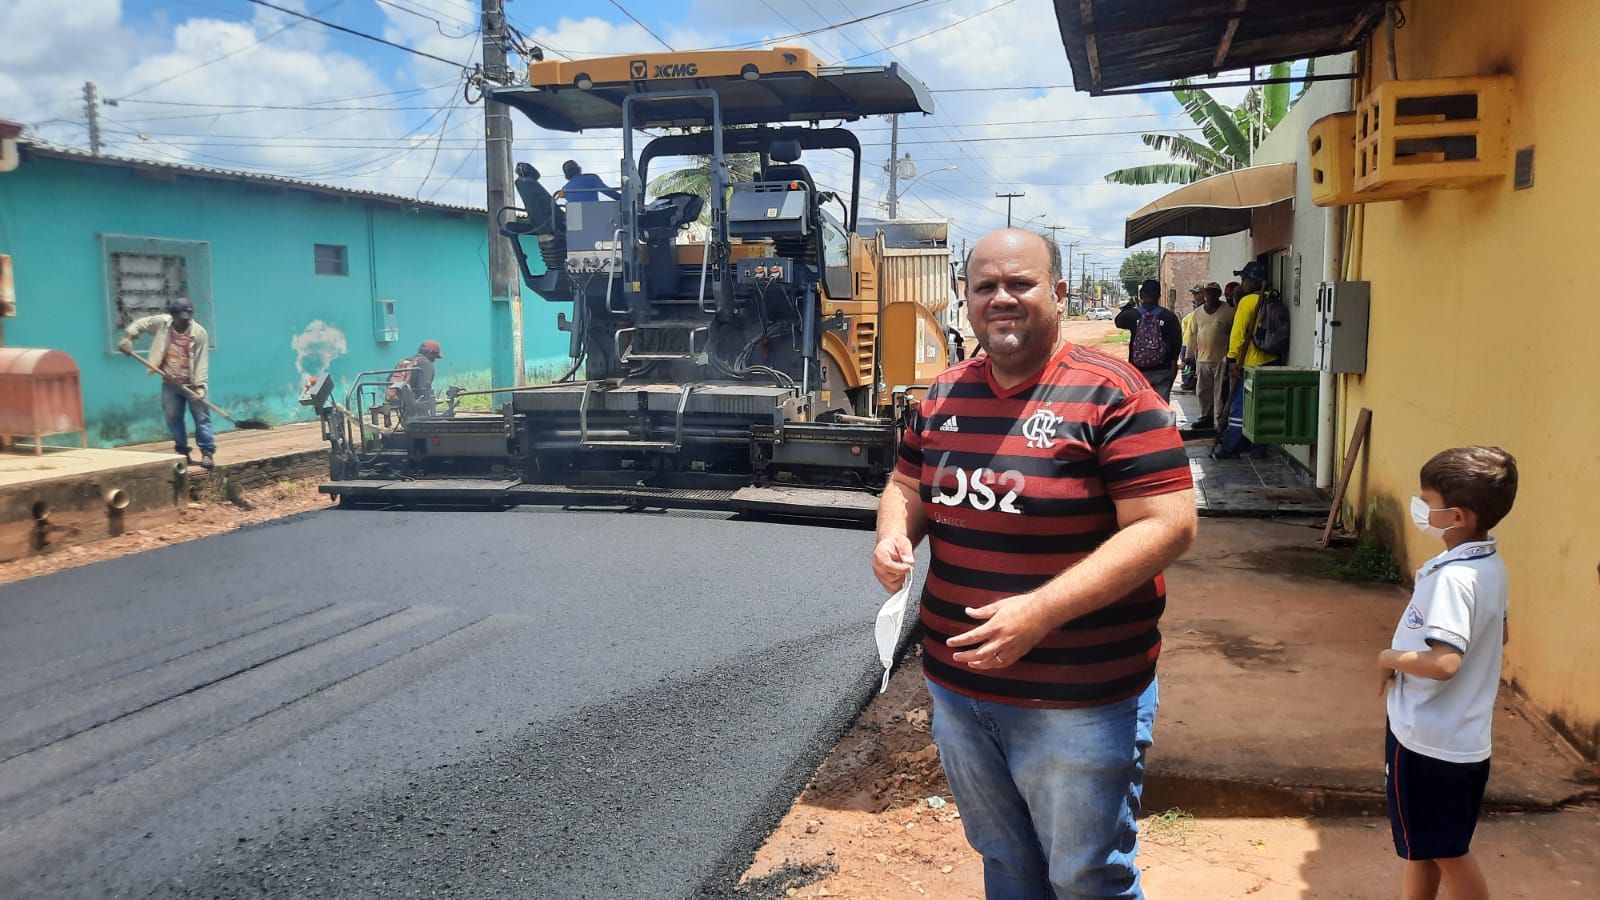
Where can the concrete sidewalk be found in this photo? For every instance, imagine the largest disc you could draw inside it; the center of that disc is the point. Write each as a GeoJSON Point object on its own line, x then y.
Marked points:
{"type": "Point", "coordinates": [1269, 688]}
{"type": "Point", "coordinates": [240, 447]}
{"type": "Point", "coordinates": [1244, 487]}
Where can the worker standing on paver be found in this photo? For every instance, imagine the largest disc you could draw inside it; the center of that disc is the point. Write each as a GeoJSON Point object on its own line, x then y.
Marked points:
{"type": "Point", "coordinates": [1053, 489]}
{"type": "Point", "coordinates": [584, 187]}
{"type": "Point", "coordinates": [1442, 671]}
{"type": "Point", "coordinates": [180, 349]}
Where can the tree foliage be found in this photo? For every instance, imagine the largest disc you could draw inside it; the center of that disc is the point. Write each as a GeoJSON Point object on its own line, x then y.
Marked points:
{"type": "Point", "coordinates": [696, 178]}
{"type": "Point", "coordinates": [1228, 134]}
{"type": "Point", "coordinates": [1137, 268]}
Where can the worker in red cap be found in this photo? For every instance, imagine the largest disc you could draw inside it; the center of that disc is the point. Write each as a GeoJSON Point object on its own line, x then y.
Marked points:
{"type": "Point", "coordinates": [421, 370]}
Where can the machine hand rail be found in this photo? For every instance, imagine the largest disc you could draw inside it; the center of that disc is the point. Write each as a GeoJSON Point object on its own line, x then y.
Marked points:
{"type": "Point", "coordinates": [611, 270]}
{"type": "Point", "coordinates": [705, 262]}
{"type": "Point", "coordinates": [627, 355]}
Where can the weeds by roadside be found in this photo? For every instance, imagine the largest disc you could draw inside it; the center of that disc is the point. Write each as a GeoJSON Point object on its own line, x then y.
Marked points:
{"type": "Point", "coordinates": [1170, 827]}
{"type": "Point", "coordinates": [1372, 560]}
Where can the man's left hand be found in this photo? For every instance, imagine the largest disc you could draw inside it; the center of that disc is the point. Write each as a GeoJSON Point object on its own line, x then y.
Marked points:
{"type": "Point", "coordinates": [1013, 627]}
{"type": "Point", "coordinates": [199, 391]}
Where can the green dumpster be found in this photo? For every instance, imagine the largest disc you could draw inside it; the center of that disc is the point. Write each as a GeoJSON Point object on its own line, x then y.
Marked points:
{"type": "Point", "coordinates": [1280, 404]}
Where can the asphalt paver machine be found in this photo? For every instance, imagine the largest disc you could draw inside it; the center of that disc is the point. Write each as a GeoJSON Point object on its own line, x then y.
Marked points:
{"type": "Point", "coordinates": [735, 350]}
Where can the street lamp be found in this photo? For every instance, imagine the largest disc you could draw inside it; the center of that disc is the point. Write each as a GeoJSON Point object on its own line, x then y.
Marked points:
{"type": "Point", "coordinates": [896, 195]}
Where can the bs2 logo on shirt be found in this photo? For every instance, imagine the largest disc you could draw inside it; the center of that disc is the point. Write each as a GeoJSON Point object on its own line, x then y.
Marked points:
{"type": "Point", "coordinates": [977, 488]}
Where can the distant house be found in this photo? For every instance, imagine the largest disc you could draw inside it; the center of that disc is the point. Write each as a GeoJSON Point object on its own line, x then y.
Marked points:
{"type": "Point", "coordinates": [1181, 270]}
{"type": "Point", "coordinates": [291, 279]}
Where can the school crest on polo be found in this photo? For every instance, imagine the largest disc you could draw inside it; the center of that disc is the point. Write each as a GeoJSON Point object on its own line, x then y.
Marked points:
{"type": "Point", "coordinates": [1040, 429]}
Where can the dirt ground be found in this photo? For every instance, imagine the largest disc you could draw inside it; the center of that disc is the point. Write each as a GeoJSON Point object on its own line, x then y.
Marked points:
{"type": "Point", "coordinates": [212, 514]}
{"type": "Point", "coordinates": [877, 819]}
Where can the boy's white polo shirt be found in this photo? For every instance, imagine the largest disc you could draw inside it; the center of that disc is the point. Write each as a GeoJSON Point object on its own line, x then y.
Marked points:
{"type": "Point", "coordinates": [1460, 599]}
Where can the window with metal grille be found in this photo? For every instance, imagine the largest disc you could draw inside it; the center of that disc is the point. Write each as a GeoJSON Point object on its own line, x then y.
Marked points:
{"type": "Point", "coordinates": [142, 284]}
{"type": "Point", "coordinates": [144, 274]}
{"type": "Point", "coordinates": [331, 259]}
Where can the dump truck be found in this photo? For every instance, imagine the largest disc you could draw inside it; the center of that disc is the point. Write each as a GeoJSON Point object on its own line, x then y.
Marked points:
{"type": "Point", "coordinates": [751, 349]}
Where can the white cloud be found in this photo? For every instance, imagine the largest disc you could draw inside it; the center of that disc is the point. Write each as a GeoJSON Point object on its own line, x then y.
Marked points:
{"type": "Point", "coordinates": [427, 141]}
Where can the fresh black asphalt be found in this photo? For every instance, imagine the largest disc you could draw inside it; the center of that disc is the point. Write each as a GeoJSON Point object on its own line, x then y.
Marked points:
{"type": "Point", "coordinates": [528, 704]}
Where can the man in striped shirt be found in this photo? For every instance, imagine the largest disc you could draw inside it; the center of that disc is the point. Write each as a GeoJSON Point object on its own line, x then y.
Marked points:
{"type": "Point", "coordinates": [1053, 490]}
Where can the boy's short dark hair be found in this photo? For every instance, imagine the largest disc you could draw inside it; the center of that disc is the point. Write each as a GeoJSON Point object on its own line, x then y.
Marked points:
{"type": "Point", "coordinates": [1482, 479]}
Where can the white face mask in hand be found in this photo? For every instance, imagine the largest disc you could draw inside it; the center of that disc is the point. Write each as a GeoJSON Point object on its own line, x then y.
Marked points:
{"type": "Point", "coordinates": [887, 629]}
{"type": "Point", "coordinates": [1420, 511]}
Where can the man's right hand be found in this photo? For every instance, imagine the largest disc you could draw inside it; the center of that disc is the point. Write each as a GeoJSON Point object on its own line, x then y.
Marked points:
{"type": "Point", "coordinates": [892, 561]}
{"type": "Point", "coordinates": [126, 345]}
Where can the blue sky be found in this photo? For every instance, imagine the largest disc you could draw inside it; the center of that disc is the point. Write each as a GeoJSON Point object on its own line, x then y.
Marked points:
{"type": "Point", "coordinates": [232, 84]}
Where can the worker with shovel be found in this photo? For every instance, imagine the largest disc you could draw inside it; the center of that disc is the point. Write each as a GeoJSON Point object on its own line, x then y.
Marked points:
{"type": "Point", "coordinates": [180, 353]}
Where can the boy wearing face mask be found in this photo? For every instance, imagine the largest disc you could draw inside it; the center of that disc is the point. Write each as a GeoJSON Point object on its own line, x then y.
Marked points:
{"type": "Point", "coordinates": [1442, 670]}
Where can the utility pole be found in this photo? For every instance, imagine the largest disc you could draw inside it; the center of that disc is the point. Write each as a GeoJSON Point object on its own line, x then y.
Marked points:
{"type": "Point", "coordinates": [91, 111]}
{"type": "Point", "coordinates": [505, 291]}
{"type": "Point", "coordinates": [1009, 198]}
{"type": "Point", "coordinates": [1071, 248]}
{"type": "Point", "coordinates": [894, 164]}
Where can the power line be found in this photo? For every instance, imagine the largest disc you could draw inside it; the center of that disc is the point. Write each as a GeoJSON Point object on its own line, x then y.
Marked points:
{"type": "Point", "coordinates": [960, 21]}
{"type": "Point", "coordinates": [255, 43]}
{"type": "Point", "coordinates": [439, 140]}
{"type": "Point", "coordinates": [361, 34]}
{"type": "Point", "coordinates": [326, 100]}
{"type": "Point", "coordinates": [436, 23]}
{"type": "Point", "coordinates": [1030, 87]}
{"type": "Point", "coordinates": [1033, 137]}
{"type": "Point", "coordinates": [859, 130]}
{"type": "Point", "coordinates": [642, 25]}
{"type": "Point", "coordinates": [835, 26]}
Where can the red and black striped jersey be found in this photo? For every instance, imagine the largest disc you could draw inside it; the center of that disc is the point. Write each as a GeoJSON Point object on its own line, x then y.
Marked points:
{"type": "Point", "coordinates": [1018, 486]}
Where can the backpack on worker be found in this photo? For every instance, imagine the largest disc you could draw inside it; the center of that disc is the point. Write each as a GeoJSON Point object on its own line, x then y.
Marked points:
{"type": "Point", "coordinates": [1148, 348]}
{"type": "Point", "coordinates": [402, 375]}
{"type": "Point", "coordinates": [1272, 324]}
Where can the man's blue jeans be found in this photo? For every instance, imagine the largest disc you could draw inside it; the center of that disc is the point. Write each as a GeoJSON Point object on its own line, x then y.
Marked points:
{"type": "Point", "coordinates": [1048, 797]}
{"type": "Point", "coordinates": [173, 404]}
{"type": "Point", "coordinates": [1232, 439]}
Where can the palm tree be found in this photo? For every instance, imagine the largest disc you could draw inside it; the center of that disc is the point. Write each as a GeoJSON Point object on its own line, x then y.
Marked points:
{"type": "Point", "coordinates": [696, 179]}
{"type": "Point", "coordinates": [1231, 133]}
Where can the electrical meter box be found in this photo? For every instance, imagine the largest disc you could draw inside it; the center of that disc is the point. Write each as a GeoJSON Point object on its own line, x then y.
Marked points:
{"type": "Point", "coordinates": [1340, 333]}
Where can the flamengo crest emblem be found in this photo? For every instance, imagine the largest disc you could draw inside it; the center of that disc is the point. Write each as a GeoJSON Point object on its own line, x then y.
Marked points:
{"type": "Point", "coordinates": [1040, 429]}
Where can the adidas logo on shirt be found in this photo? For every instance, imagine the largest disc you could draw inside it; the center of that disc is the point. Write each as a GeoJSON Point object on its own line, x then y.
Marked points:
{"type": "Point", "coordinates": [950, 425]}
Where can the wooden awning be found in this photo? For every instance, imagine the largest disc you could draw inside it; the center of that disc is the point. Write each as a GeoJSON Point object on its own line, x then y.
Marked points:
{"type": "Point", "coordinates": [1115, 44]}
{"type": "Point", "coordinates": [1221, 204]}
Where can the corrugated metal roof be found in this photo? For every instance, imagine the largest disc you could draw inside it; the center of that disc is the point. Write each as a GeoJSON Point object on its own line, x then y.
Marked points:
{"type": "Point", "coordinates": [49, 151]}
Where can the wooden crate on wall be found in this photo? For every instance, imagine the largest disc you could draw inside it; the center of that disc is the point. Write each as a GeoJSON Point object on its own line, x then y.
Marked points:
{"type": "Point", "coordinates": [1433, 133]}
{"type": "Point", "coordinates": [1332, 142]}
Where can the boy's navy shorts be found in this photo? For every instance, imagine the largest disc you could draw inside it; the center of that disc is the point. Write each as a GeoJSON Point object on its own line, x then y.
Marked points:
{"type": "Point", "coordinates": [1433, 804]}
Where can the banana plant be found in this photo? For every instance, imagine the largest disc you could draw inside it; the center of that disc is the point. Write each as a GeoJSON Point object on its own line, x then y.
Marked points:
{"type": "Point", "coordinates": [1228, 134]}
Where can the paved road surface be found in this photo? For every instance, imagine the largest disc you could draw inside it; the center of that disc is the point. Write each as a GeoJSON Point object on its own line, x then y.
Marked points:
{"type": "Point", "coordinates": [533, 703]}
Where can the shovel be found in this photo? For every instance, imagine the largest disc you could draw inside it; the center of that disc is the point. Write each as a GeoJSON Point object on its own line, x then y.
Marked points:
{"type": "Point", "coordinates": [246, 424]}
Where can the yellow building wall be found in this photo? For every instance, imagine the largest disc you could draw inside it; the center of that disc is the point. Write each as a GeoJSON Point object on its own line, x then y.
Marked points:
{"type": "Point", "coordinates": [1484, 331]}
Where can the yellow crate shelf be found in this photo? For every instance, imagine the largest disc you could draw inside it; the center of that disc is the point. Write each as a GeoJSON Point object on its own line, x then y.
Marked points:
{"type": "Point", "coordinates": [1433, 133]}
{"type": "Point", "coordinates": [1332, 141]}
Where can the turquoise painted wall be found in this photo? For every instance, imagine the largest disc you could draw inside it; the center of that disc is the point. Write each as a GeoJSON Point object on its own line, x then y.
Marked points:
{"type": "Point", "coordinates": [274, 320]}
